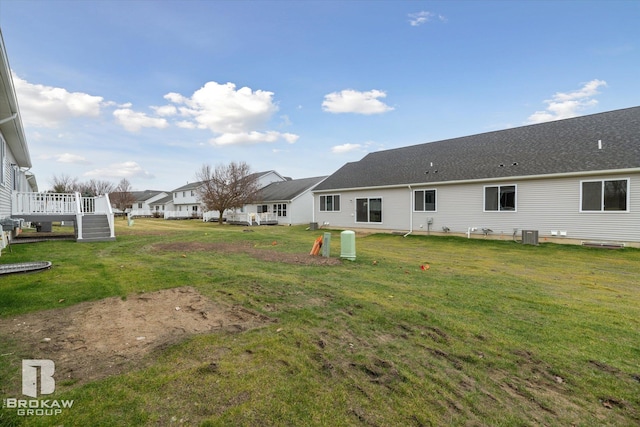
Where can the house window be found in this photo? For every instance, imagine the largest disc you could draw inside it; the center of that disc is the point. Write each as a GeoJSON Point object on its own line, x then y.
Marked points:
{"type": "Point", "coordinates": [330, 203]}
{"type": "Point", "coordinates": [280, 209]}
{"type": "Point", "coordinates": [605, 195]}
{"type": "Point", "coordinates": [263, 209]}
{"type": "Point", "coordinates": [424, 200]}
{"type": "Point", "coordinates": [500, 198]}
{"type": "Point", "coordinates": [15, 177]}
{"type": "Point", "coordinates": [369, 210]}
{"type": "Point", "coordinates": [139, 205]}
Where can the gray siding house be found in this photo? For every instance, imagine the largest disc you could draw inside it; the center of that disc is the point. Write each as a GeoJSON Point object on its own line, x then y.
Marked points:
{"type": "Point", "coordinates": [142, 205]}
{"type": "Point", "coordinates": [575, 180]}
{"type": "Point", "coordinates": [186, 203]}
{"type": "Point", "coordinates": [286, 202]}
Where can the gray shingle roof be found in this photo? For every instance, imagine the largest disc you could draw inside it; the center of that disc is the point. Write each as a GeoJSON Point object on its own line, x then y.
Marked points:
{"type": "Point", "coordinates": [558, 147]}
{"type": "Point", "coordinates": [163, 201]}
{"type": "Point", "coordinates": [189, 186]}
{"type": "Point", "coordinates": [287, 190]}
{"type": "Point", "coordinates": [145, 195]}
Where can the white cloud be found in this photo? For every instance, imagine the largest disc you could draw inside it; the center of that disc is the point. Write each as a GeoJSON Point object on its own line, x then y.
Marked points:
{"type": "Point", "coordinates": [291, 138]}
{"type": "Point", "coordinates": [564, 105]}
{"type": "Point", "coordinates": [120, 170]}
{"type": "Point", "coordinates": [165, 110]}
{"type": "Point", "coordinates": [176, 98]}
{"type": "Point", "coordinates": [70, 158]}
{"type": "Point", "coordinates": [253, 137]}
{"type": "Point", "coordinates": [133, 121]}
{"type": "Point", "coordinates": [286, 121]}
{"type": "Point", "coordinates": [184, 124]}
{"type": "Point", "coordinates": [352, 101]}
{"type": "Point", "coordinates": [223, 109]}
{"type": "Point", "coordinates": [235, 116]}
{"type": "Point", "coordinates": [422, 17]}
{"type": "Point", "coordinates": [345, 148]}
{"type": "Point", "coordinates": [48, 106]}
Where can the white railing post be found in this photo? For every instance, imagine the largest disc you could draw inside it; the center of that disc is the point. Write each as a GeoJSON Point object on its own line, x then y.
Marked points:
{"type": "Point", "coordinates": [78, 209]}
{"type": "Point", "coordinates": [110, 217]}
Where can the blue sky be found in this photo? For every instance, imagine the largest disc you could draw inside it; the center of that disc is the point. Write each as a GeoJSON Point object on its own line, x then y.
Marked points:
{"type": "Point", "coordinates": [152, 90]}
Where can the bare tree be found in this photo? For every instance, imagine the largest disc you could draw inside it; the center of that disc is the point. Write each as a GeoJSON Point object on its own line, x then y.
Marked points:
{"type": "Point", "coordinates": [95, 187]}
{"type": "Point", "coordinates": [226, 187]}
{"type": "Point", "coordinates": [121, 197]}
{"type": "Point", "coordinates": [64, 184]}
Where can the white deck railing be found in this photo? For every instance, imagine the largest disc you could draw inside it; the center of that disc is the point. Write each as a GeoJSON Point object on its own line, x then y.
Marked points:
{"type": "Point", "coordinates": [251, 218]}
{"type": "Point", "coordinates": [142, 212]}
{"type": "Point", "coordinates": [44, 203]}
{"type": "Point", "coordinates": [181, 214]}
{"type": "Point", "coordinates": [59, 204]}
{"type": "Point", "coordinates": [62, 204]}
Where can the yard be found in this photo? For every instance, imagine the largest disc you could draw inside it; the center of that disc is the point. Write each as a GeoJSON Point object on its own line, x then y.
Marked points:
{"type": "Point", "coordinates": [192, 323]}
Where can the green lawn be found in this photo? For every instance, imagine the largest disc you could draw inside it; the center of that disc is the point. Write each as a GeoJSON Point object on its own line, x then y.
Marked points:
{"type": "Point", "coordinates": [494, 333]}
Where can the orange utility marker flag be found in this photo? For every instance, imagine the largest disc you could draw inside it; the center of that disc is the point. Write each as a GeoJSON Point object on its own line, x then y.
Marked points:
{"type": "Point", "coordinates": [315, 250]}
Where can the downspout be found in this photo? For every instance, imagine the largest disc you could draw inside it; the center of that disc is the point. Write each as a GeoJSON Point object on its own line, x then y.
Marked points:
{"type": "Point", "coordinates": [410, 212]}
{"type": "Point", "coordinates": [8, 119]}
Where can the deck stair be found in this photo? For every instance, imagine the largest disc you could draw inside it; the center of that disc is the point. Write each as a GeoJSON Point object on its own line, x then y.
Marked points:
{"type": "Point", "coordinates": [95, 228]}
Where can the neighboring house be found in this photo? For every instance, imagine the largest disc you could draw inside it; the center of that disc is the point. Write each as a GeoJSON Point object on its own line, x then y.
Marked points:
{"type": "Point", "coordinates": [142, 206]}
{"type": "Point", "coordinates": [285, 202]}
{"type": "Point", "coordinates": [185, 202]}
{"type": "Point", "coordinates": [158, 207]}
{"type": "Point", "coordinates": [575, 179]}
{"type": "Point", "coordinates": [187, 205]}
{"type": "Point", "coordinates": [246, 215]}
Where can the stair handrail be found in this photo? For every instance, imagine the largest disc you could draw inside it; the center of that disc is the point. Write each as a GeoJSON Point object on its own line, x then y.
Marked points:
{"type": "Point", "coordinates": [79, 215]}
{"type": "Point", "coordinates": [110, 217]}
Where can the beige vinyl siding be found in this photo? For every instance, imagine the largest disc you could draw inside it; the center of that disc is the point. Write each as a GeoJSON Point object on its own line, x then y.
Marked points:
{"type": "Point", "coordinates": [544, 205]}
{"type": "Point", "coordinates": [395, 209]}
{"type": "Point", "coordinates": [5, 185]}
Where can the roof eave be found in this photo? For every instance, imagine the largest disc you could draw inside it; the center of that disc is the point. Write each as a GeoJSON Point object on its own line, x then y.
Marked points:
{"type": "Point", "coordinates": [483, 180]}
{"type": "Point", "coordinates": [12, 129]}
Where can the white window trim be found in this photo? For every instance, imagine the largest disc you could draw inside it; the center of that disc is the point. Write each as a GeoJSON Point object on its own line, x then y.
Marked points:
{"type": "Point", "coordinates": [423, 190]}
{"type": "Point", "coordinates": [484, 198]}
{"type": "Point", "coordinates": [602, 201]}
{"type": "Point", "coordinates": [368, 213]}
{"type": "Point", "coordinates": [329, 195]}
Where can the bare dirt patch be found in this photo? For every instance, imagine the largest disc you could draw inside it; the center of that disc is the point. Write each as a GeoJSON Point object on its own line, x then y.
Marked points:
{"type": "Point", "coordinates": [264, 254]}
{"type": "Point", "coordinates": [94, 340]}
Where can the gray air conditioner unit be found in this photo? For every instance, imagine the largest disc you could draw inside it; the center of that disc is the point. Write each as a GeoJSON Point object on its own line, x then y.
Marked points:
{"type": "Point", "coordinates": [530, 237]}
